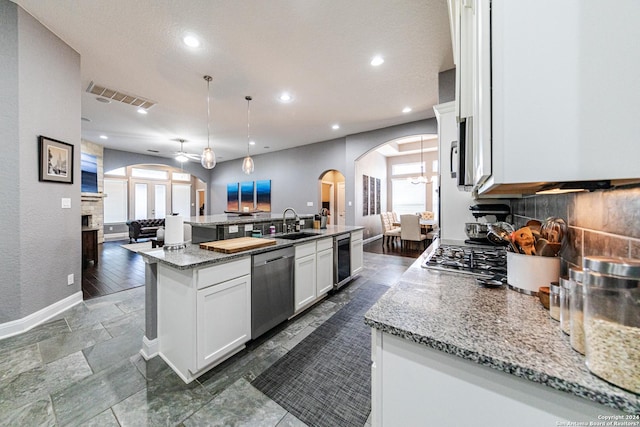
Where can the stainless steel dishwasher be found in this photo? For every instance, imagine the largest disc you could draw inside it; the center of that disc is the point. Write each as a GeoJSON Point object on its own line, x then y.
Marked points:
{"type": "Point", "coordinates": [271, 289]}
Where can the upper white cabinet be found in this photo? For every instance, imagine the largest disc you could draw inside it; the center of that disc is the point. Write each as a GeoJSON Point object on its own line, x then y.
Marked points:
{"type": "Point", "coordinates": [554, 90]}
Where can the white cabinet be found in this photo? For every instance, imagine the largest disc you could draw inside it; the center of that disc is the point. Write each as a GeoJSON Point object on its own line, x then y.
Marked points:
{"type": "Point", "coordinates": [324, 266]}
{"type": "Point", "coordinates": [313, 272]}
{"type": "Point", "coordinates": [223, 319]}
{"type": "Point", "coordinates": [204, 315]}
{"type": "Point", "coordinates": [357, 253]}
{"type": "Point", "coordinates": [305, 275]}
{"type": "Point", "coordinates": [415, 385]}
{"type": "Point", "coordinates": [551, 106]}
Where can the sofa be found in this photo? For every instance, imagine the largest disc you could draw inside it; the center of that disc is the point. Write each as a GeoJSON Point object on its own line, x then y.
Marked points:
{"type": "Point", "coordinates": [144, 228]}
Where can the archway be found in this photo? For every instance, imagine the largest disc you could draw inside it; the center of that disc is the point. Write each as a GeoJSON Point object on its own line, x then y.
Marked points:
{"type": "Point", "coordinates": [332, 196]}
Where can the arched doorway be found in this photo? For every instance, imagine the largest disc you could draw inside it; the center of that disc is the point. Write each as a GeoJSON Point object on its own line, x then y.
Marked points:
{"type": "Point", "coordinates": [332, 196]}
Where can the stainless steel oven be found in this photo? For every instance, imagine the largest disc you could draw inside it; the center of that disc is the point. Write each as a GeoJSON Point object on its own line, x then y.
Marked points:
{"type": "Point", "coordinates": [341, 259]}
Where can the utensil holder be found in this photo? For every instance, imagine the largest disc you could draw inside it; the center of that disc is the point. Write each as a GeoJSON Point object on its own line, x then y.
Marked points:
{"type": "Point", "coordinates": [527, 273]}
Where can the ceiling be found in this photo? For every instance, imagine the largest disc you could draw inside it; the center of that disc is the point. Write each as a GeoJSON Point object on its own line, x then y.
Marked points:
{"type": "Point", "coordinates": [319, 51]}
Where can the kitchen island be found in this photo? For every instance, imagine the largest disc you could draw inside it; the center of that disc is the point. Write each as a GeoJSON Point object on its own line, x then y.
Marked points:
{"type": "Point", "coordinates": [199, 302]}
{"type": "Point", "coordinates": [446, 351]}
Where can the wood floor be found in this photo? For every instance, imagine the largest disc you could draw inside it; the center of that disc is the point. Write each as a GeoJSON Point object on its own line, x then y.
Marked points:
{"type": "Point", "coordinates": [119, 269]}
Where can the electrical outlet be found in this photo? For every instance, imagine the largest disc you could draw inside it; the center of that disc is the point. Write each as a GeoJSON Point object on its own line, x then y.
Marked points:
{"type": "Point", "coordinates": [110, 228]}
{"type": "Point", "coordinates": [233, 229]}
{"type": "Point", "coordinates": [70, 279]}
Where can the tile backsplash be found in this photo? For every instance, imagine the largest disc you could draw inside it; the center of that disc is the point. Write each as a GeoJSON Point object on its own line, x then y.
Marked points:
{"type": "Point", "coordinates": [604, 222]}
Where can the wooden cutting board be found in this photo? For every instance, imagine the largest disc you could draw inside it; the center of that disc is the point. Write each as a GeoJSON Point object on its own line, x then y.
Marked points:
{"type": "Point", "coordinates": [231, 246]}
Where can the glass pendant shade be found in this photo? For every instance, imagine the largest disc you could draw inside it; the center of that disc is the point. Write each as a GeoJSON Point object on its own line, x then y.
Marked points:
{"type": "Point", "coordinates": [208, 160]}
{"type": "Point", "coordinates": [420, 179]}
{"type": "Point", "coordinates": [247, 165]}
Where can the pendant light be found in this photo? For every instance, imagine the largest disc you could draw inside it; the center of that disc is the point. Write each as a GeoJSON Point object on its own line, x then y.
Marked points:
{"type": "Point", "coordinates": [208, 159]}
{"type": "Point", "coordinates": [420, 179]}
{"type": "Point", "coordinates": [247, 163]}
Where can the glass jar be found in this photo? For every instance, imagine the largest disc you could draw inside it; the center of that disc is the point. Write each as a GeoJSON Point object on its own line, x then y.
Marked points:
{"type": "Point", "coordinates": [576, 305]}
{"type": "Point", "coordinates": [554, 300]}
{"type": "Point", "coordinates": [612, 320]}
{"type": "Point", "coordinates": [565, 289]}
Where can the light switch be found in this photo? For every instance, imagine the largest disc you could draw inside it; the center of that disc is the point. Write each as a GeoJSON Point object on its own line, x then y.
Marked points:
{"type": "Point", "coordinates": [309, 203]}
{"type": "Point", "coordinates": [66, 203]}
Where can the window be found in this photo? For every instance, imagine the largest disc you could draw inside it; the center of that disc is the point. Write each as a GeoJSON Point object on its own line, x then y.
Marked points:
{"type": "Point", "coordinates": [149, 173]}
{"type": "Point", "coordinates": [406, 169]}
{"type": "Point", "coordinates": [408, 198]}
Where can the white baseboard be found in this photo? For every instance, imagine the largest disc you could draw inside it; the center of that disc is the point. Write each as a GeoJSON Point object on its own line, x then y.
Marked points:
{"type": "Point", "coordinates": [149, 348]}
{"type": "Point", "coordinates": [19, 326]}
{"type": "Point", "coordinates": [372, 238]}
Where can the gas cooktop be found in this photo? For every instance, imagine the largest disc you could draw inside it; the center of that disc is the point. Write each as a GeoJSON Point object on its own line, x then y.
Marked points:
{"type": "Point", "coordinates": [487, 263]}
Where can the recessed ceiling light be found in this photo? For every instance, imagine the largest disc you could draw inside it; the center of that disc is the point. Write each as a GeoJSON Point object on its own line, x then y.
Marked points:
{"type": "Point", "coordinates": [104, 137]}
{"type": "Point", "coordinates": [252, 143]}
{"type": "Point", "coordinates": [335, 127]}
{"type": "Point", "coordinates": [377, 60]}
{"type": "Point", "coordinates": [191, 41]}
{"type": "Point", "coordinates": [142, 111]}
{"type": "Point", "coordinates": [406, 110]}
{"type": "Point", "coordinates": [285, 97]}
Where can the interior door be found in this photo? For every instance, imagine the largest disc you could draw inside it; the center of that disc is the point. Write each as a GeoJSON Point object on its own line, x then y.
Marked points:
{"type": "Point", "coordinates": [341, 204]}
{"type": "Point", "coordinates": [150, 199]}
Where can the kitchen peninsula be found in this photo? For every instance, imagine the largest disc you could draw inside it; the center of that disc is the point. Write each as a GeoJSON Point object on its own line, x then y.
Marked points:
{"type": "Point", "coordinates": [200, 303]}
{"type": "Point", "coordinates": [229, 225]}
{"type": "Point", "coordinates": [461, 354]}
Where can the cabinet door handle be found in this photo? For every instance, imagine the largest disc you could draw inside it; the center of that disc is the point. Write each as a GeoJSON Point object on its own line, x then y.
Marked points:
{"type": "Point", "coordinates": [454, 149]}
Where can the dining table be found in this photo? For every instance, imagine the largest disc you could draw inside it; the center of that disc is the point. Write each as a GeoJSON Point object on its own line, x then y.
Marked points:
{"type": "Point", "coordinates": [424, 223]}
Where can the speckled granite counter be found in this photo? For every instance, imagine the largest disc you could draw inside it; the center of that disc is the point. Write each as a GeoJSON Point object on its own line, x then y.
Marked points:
{"type": "Point", "coordinates": [193, 256]}
{"type": "Point", "coordinates": [498, 328]}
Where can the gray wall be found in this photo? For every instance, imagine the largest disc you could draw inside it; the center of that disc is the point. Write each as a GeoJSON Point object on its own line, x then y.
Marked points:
{"type": "Point", "coordinates": [43, 245]}
{"type": "Point", "coordinates": [447, 86]}
{"type": "Point", "coordinates": [359, 144]}
{"type": "Point", "coordinates": [294, 175]}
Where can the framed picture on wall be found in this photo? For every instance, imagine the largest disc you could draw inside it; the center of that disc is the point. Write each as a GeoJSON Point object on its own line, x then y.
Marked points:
{"type": "Point", "coordinates": [55, 160]}
{"type": "Point", "coordinates": [365, 195]}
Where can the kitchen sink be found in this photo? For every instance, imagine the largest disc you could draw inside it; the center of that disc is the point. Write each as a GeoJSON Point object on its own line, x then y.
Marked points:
{"type": "Point", "coordinates": [297, 235]}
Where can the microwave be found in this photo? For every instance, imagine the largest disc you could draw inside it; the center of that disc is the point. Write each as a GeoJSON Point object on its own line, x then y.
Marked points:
{"type": "Point", "coordinates": [461, 155]}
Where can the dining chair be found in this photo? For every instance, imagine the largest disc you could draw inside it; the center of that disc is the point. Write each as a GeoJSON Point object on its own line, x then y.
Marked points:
{"type": "Point", "coordinates": [410, 229]}
{"type": "Point", "coordinates": [388, 230]}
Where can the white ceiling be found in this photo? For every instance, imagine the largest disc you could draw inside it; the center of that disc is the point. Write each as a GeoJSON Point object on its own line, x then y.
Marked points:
{"type": "Point", "coordinates": [317, 50]}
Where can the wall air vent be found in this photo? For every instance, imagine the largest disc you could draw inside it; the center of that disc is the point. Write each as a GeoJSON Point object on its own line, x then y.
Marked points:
{"type": "Point", "coordinates": [115, 95]}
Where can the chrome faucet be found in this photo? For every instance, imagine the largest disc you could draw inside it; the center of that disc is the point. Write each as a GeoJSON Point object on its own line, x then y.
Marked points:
{"type": "Point", "coordinates": [284, 221]}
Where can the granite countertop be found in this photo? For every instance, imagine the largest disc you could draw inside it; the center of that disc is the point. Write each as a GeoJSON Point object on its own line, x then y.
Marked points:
{"type": "Point", "coordinates": [192, 256]}
{"type": "Point", "coordinates": [499, 328]}
{"type": "Point", "coordinates": [232, 219]}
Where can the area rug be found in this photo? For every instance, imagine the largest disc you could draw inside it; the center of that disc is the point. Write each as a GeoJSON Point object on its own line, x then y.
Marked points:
{"type": "Point", "coordinates": [326, 379]}
{"type": "Point", "coordinates": [135, 247]}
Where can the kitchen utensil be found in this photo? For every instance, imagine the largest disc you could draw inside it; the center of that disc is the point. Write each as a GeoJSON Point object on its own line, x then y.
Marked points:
{"type": "Point", "coordinates": [534, 225]}
{"type": "Point", "coordinates": [554, 229]}
{"type": "Point", "coordinates": [524, 238]}
{"type": "Point", "coordinates": [498, 235]}
{"type": "Point", "coordinates": [544, 248]}
{"type": "Point", "coordinates": [476, 230]}
{"type": "Point", "coordinates": [505, 226]}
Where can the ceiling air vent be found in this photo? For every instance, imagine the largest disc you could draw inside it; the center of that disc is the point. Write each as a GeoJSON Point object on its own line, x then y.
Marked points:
{"type": "Point", "coordinates": [115, 95]}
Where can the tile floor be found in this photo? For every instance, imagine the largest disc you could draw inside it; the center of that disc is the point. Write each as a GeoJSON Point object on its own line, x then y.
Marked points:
{"type": "Point", "coordinates": [83, 367]}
